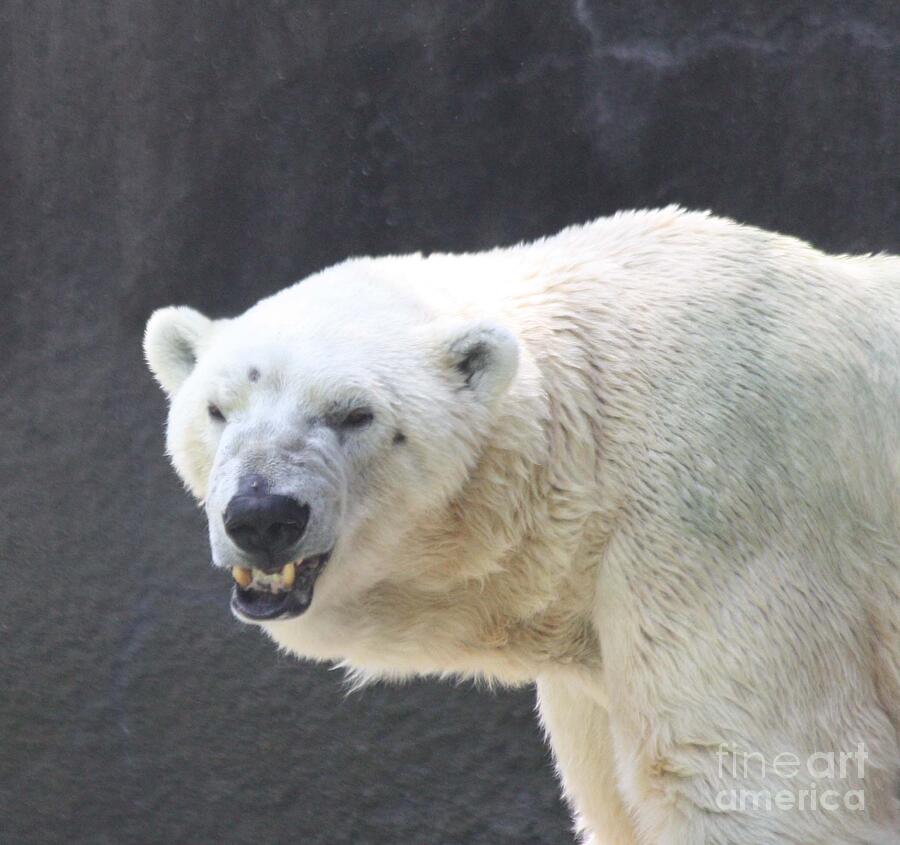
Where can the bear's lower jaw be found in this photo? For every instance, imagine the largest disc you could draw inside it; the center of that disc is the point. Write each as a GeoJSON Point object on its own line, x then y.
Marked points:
{"type": "Point", "coordinates": [254, 605]}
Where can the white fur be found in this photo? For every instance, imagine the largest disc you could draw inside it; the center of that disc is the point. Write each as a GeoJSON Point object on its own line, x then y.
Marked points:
{"type": "Point", "coordinates": [669, 495]}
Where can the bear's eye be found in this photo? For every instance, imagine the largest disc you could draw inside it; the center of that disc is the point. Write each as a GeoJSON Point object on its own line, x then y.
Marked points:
{"type": "Point", "coordinates": [215, 412]}
{"type": "Point", "coordinates": [357, 418]}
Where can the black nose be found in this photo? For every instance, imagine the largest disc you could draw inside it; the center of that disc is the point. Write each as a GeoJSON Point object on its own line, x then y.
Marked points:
{"type": "Point", "coordinates": [264, 524]}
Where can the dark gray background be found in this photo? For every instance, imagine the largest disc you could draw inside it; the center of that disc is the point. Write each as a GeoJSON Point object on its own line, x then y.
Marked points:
{"type": "Point", "coordinates": [210, 153]}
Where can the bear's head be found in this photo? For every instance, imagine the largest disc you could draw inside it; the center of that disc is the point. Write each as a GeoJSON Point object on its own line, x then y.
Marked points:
{"type": "Point", "coordinates": [319, 428]}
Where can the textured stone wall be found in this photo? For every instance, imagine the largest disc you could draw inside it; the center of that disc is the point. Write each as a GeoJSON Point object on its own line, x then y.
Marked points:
{"type": "Point", "coordinates": [209, 153]}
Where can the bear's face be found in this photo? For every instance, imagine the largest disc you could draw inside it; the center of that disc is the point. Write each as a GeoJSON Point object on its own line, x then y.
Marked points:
{"type": "Point", "coordinates": [321, 425]}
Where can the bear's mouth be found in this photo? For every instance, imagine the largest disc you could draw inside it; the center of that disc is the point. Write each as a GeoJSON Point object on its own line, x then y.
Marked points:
{"type": "Point", "coordinates": [260, 596]}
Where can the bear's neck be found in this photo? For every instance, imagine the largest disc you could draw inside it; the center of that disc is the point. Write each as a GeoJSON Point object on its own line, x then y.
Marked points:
{"type": "Point", "coordinates": [499, 585]}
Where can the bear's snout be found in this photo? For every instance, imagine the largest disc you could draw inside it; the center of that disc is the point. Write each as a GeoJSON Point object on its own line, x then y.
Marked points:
{"type": "Point", "coordinates": [265, 526]}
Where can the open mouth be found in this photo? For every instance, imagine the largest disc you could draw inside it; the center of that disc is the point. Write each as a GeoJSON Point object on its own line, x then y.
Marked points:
{"type": "Point", "coordinates": [263, 596]}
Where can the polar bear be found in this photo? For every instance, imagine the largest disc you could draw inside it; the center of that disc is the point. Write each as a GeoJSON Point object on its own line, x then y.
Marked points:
{"type": "Point", "coordinates": [650, 464]}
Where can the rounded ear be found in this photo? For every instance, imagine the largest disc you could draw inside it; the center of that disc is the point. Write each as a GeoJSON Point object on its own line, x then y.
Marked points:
{"type": "Point", "coordinates": [171, 344]}
{"type": "Point", "coordinates": [483, 357]}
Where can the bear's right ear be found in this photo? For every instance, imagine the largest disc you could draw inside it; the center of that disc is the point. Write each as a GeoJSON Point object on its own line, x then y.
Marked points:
{"type": "Point", "coordinates": [171, 344]}
{"type": "Point", "coordinates": [483, 357]}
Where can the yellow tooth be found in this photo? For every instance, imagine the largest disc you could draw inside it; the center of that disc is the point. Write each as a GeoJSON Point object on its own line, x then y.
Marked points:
{"type": "Point", "coordinates": [288, 573]}
{"type": "Point", "coordinates": [244, 577]}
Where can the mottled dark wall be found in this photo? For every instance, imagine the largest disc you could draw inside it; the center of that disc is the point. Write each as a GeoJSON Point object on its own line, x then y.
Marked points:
{"type": "Point", "coordinates": [209, 153]}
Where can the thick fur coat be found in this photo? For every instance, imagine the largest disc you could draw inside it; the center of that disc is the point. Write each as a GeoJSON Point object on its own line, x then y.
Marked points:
{"type": "Point", "coordinates": [665, 488]}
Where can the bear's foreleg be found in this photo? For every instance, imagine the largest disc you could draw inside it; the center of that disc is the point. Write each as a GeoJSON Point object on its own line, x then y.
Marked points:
{"type": "Point", "coordinates": [578, 730]}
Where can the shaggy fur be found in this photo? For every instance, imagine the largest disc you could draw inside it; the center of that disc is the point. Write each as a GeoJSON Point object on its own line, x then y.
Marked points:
{"type": "Point", "coordinates": [670, 496]}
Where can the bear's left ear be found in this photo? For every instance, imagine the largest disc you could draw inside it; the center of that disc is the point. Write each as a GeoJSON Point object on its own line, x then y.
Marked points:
{"type": "Point", "coordinates": [484, 357]}
{"type": "Point", "coordinates": [172, 343]}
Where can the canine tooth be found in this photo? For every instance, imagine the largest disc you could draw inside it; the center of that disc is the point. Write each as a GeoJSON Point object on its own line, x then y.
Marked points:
{"type": "Point", "coordinates": [288, 572]}
{"type": "Point", "coordinates": [244, 577]}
